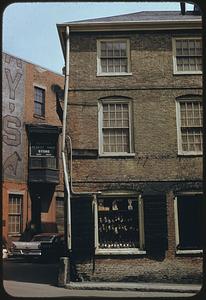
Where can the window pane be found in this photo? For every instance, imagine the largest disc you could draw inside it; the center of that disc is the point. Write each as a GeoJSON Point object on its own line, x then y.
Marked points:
{"type": "Point", "coordinates": [115, 127]}
{"type": "Point", "coordinates": [15, 213]}
{"type": "Point", "coordinates": [118, 223]}
{"type": "Point", "coordinates": [39, 101]}
{"type": "Point", "coordinates": [191, 125]}
{"type": "Point", "coordinates": [188, 55]}
{"type": "Point", "coordinates": [190, 222]}
{"type": "Point", "coordinates": [113, 57]}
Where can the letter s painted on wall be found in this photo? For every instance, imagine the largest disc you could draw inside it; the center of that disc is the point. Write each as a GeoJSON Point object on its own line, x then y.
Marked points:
{"type": "Point", "coordinates": [11, 135]}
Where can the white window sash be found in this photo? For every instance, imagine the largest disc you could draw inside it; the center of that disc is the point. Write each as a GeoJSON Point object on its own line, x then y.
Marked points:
{"type": "Point", "coordinates": [99, 71]}
{"type": "Point", "coordinates": [175, 71]}
{"type": "Point", "coordinates": [179, 132]}
{"type": "Point", "coordinates": [100, 124]}
{"type": "Point", "coordinates": [18, 215]}
{"type": "Point", "coordinates": [140, 220]}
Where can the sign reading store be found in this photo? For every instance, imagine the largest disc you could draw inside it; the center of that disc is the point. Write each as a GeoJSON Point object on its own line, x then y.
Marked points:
{"type": "Point", "coordinates": [42, 149]}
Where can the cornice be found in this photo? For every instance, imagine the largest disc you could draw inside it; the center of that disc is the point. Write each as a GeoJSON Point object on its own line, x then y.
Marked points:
{"type": "Point", "coordinates": [134, 25]}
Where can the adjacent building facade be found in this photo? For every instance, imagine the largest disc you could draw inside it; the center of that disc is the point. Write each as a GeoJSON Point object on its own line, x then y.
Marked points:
{"type": "Point", "coordinates": [135, 124]}
{"type": "Point", "coordinates": [33, 192]}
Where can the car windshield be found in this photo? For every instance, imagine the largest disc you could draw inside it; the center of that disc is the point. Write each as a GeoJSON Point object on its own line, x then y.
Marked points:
{"type": "Point", "coordinates": [42, 238]}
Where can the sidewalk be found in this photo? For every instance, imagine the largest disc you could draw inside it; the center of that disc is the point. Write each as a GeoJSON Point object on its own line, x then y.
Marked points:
{"type": "Point", "coordinates": [130, 286]}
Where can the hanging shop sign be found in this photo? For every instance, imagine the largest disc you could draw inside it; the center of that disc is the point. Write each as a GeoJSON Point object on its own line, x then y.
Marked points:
{"type": "Point", "coordinates": [43, 150]}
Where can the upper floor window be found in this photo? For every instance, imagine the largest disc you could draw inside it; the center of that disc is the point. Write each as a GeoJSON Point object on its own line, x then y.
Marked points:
{"type": "Point", "coordinates": [15, 214]}
{"type": "Point", "coordinates": [115, 127]}
{"type": "Point", "coordinates": [189, 123]}
{"type": "Point", "coordinates": [39, 101]}
{"type": "Point", "coordinates": [187, 54]}
{"type": "Point", "coordinates": [113, 57]}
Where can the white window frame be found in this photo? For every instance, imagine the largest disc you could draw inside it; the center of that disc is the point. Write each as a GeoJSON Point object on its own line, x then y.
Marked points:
{"type": "Point", "coordinates": [99, 72]}
{"type": "Point", "coordinates": [21, 195]}
{"type": "Point", "coordinates": [177, 237]}
{"type": "Point", "coordinates": [178, 123]}
{"type": "Point", "coordinates": [120, 251]}
{"type": "Point", "coordinates": [175, 71]}
{"type": "Point", "coordinates": [100, 125]}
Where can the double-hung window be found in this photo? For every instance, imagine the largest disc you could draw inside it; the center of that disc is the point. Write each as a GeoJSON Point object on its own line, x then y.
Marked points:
{"type": "Point", "coordinates": [119, 224]}
{"type": "Point", "coordinates": [15, 214]}
{"type": "Point", "coordinates": [187, 55]}
{"type": "Point", "coordinates": [39, 101]}
{"type": "Point", "coordinates": [113, 57]}
{"type": "Point", "coordinates": [115, 127]}
{"type": "Point", "coordinates": [189, 126]}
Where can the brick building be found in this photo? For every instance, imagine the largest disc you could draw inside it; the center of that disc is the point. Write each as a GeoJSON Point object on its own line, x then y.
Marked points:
{"type": "Point", "coordinates": [33, 193]}
{"type": "Point", "coordinates": [134, 123]}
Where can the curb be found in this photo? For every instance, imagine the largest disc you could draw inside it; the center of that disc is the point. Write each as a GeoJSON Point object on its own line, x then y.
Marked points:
{"type": "Point", "coordinates": [134, 287]}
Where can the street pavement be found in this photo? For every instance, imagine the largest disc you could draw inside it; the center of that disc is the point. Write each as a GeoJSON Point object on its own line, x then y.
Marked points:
{"type": "Point", "coordinates": [23, 279]}
{"type": "Point", "coordinates": [22, 289]}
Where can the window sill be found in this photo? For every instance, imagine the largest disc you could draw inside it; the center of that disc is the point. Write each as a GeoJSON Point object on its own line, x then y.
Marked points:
{"type": "Point", "coordinates": [117, 155]}
{"type": "Point", "coordinates": [119, 251]}
{"type": "Point", "coordinates": [187, 73]}
{"type": "Point", "coordinates": [190, 153]}
{"type": "Point", "coordinates": [38, 117]}
{"type": "Point", "coordinates": [179, 252]}
{"type": "Point", "coordinates": [14, 234]}
{"type": "Point", "coordinates": [113, 74]}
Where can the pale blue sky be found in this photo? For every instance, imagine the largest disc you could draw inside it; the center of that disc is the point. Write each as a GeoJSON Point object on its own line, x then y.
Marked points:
{"type": "Point", "coordinates": [29, 29]}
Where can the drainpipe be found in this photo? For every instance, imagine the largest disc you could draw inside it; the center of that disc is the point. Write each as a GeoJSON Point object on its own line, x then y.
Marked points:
{"type": "Point", "coordinates": [69, 188]}
{"type": "Point", "coordinates": [66, 177]}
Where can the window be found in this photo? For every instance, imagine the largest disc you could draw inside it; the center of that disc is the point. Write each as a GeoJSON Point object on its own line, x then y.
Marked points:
{"type": "Point", "coordinates": [188, 212]}
{"type": "Point", "coordinates": [60, 214]}
{"type": "Point", "coordinates": [120, 224]}
{"type": "Point", "coordinates": [187, 55]}
{"type": "Point", "coordinates": [113, 57]}
{"type": "Point", "coordinates": [15, 214]}
{"type": "Point", "coordinates": [115, 127]}
{"type": "Point", "coordinates": [189, 122]}
{"type": "Point", "coordinates": [39, 101]}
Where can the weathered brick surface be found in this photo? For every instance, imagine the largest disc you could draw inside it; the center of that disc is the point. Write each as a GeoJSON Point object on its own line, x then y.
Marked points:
{"type": "Point", "coordinates": [149, 68]}
{"type": "Point", "coordinates": [152, 88]}
{"type": "Point", "coordinates": [33, 75]}
{"type": "Point", "coordinates": [143, 270]}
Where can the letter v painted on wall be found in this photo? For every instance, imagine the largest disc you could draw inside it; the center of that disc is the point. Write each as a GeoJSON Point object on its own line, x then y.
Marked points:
{"type": "Point", "coordinates": [13, 82]}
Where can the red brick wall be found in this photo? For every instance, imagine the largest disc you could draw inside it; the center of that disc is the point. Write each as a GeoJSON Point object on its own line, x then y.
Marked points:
{"type": "Point", "coordinates": [40, 77]}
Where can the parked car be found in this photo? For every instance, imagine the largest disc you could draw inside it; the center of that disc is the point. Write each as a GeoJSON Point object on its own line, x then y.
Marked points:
{"type": "Point", "coordinates": [45, 246]}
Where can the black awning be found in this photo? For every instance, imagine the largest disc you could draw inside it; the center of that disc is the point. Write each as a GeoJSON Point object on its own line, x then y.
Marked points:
{"type": "Point", "coordinates": [43, 128]}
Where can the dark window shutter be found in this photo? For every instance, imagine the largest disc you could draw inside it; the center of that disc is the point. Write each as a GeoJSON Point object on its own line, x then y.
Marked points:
{"type": "Point", "coordinates": [155, 219]}
{"type": "Point", "coordinates": [82, 227]}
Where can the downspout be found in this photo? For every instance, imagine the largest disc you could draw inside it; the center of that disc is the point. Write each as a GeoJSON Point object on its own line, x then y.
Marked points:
{"type": "Point", "coordinates": [66, 177]}
{"type": "Point", "coordinates": [69, 187]}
